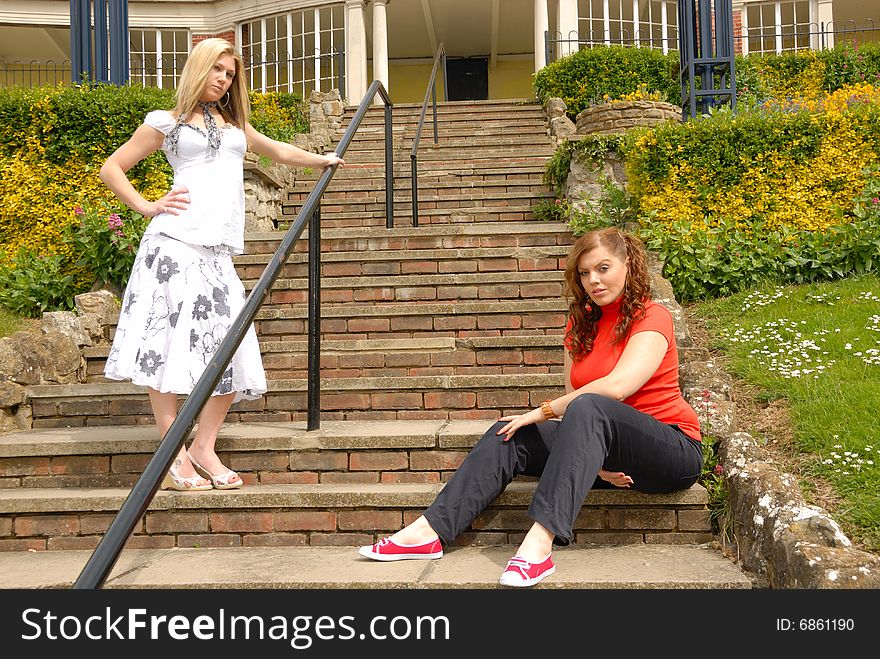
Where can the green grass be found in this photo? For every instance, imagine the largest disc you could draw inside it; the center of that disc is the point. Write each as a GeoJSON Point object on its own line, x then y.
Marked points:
{"type": "Point", "coordinates": [9, 322]}
{"type": "Point", "coordinates": [818, 348]}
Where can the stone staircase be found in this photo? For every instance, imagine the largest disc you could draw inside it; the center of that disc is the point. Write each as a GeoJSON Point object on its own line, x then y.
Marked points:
{"type": "Point", "coordinates": [428, 333]}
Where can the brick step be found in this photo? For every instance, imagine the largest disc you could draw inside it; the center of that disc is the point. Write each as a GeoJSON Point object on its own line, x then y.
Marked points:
{"type": "Point", "coordinates": [510, 169]}
{"type": "Point", "coordinates": [414, 320]}
{"type": "Point", "coordinates": [582, 567]}
{"type": "Point", "coordinates": [466, 109]}
{"type": "Point", "coordinates": [439, 210]}
{"type": "Point", "coordinates": [463, 197]}
{"type": "Point", "coordinates": [446, 129]}
{"type": "Point", "coordinates": [375, 187]}
{"type": "Point", "coordinates": [420, 288]}
{"type": "Point", "coordinates": [458, 140]}
{"type": "Point", "coordinates": [323, 514]}
{"type": "Point", "coordinates": [364, 398]}
{"type": "Point", "coordinates": [447, 151]}
{"type": "Point", "coordinates": [367, 240]}
{"type": "Point", "coordinates": [405, 262]}
{"type": "Point", "coordinates": [288, 359]}
{"type": "Point", "coordinates": [376, 218]}
{"type": "Point", "coordinates": [265, 453]}
{"type": "Point", "coordinates": [475, 318]}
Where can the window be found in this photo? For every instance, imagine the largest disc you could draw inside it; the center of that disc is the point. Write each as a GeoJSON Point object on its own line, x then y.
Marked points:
{"type": "Point", "coordinates": [652, 23]}
{"type": "Point", "coordinates": [298, 51]}
{"type": "Point", "coordinates": [772, 27]}
{"type": "Point", "coordinates": [156, 57]}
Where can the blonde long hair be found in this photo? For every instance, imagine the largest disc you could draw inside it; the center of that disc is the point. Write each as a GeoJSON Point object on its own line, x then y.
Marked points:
{"type": "Point", "coordinates": [636, 289]}
{"type": "Point", "coordinates": [236, 107]}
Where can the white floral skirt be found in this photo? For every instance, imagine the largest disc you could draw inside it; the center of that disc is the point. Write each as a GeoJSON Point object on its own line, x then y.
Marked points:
{"type": "Point", "coordinates": [178, 306]}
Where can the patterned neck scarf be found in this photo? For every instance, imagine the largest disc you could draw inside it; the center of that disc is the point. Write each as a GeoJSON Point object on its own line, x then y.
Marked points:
{"type": "Point", "coordinates": [213, 131]}
{"type": "Point", "coordinates": [211, 125]}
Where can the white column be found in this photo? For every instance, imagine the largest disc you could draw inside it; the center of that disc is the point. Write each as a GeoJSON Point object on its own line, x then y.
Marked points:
{"type": "Point", "coordinates": [355, 52]}
{"type": "Point", "coordinates": [380, 43]}
{"type": "Point", "coordinates": [567, 25]}
{"type": "Point", "coordinates": [824, 18]}
{"type": "Point", "coordinates": [541, 26]}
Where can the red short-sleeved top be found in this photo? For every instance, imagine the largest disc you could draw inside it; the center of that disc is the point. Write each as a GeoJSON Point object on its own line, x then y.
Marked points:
{"type": "Point", "coordinates": [661, 395]}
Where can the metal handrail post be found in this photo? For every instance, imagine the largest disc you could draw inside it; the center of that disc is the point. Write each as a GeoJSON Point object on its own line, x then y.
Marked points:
{"type": "Point", "coordinates": [106, 554]}
{"type": "Point", "coordinates": [414, 181]}
{"type": "Point", "coordinates": [313, 403]}
{"type": "Point", "coordinates": [389, 170]}
{"type": "Point", "coordinates": [434, 101]}
{"type": "Point", "coordinates": [432, 91]}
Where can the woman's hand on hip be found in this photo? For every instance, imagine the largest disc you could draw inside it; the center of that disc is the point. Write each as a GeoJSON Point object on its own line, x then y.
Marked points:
{"type": "Point", "coordinates": [176, 200]}
{"type": "Point", "coordinates": [517, 421]}
{"type": "Point", "coordinates": [616, 478]}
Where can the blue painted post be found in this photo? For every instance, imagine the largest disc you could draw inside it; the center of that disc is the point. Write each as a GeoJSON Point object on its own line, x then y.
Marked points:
{"type": "Point", "coordinates": [80, 41]}
{"type": "Point", "coordinates": [119, 42]}
{"type": "Point", "coordinates": [101, 54]}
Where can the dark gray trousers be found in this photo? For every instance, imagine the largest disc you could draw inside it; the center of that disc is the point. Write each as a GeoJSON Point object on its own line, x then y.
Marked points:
{"type": "Point", "coordinates": [595, 432]}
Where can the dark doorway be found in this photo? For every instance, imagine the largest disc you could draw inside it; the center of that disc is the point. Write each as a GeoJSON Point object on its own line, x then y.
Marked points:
{"type": "Point", "coordinates": [468, 78]}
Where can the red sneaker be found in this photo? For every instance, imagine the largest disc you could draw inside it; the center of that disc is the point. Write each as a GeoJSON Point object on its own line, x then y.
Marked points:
{"type": "Point", "coordinates": [387, 550]}
{"type": "Point", "coordinates": [519, 572]}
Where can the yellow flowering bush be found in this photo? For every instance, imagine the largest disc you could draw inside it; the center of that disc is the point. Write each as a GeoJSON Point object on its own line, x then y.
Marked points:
{"type": "Point", "coordinates": [53, 141]}
{"type": "Point", "coordinates": [641, 93]}
{"type": "Point", "coordinates": [793, 169]}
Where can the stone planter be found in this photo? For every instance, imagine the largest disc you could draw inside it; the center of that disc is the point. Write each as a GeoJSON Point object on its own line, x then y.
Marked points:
{"type": "Point", "coordinates": [619, 116]}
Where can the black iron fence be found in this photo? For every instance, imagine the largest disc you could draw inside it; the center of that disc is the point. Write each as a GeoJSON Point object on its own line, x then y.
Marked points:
{"type": "Point", "coordinates": [34, 73]}
{"type": "Point", "coordinates": [297, 73]}
{"type": "Point", "coordinates": [812, 36]}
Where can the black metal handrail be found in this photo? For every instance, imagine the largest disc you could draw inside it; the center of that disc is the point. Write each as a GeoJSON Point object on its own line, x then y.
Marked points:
{"type": "Point", "coordinates": [135, 505]}
{"type": "Point", "coordinates": [432, 92]}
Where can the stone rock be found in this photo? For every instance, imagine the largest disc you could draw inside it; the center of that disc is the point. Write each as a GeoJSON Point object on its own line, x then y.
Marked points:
{"type": "Point", "coordinates": [562, 128]}
{"type": "Point", "coordinates": [103, 304]}
{"type": "Point", "coordinates": [68, 324]}
{"type": "Point", "coordinates": [18, 362]}
{"type": "Point", "coordinates": [554, 107]}
{"type": "Point", "coordinates": [11, 394]}
{"type": "Point", "coordinates": [59, 357]}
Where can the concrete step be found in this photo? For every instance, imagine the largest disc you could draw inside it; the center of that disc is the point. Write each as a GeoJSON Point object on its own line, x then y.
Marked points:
{"type": "Point", "coordinates": [588, 567]}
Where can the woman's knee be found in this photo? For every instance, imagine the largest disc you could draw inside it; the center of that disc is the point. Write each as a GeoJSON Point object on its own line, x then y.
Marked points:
{"type": "Point", "coordinates": [586, 404]}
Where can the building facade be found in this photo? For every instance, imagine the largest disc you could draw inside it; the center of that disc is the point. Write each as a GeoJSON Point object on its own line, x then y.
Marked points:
{"type": "Point", "coordinates": [493, 47]}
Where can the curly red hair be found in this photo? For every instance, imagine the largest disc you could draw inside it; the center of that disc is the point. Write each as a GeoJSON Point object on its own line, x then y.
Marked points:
{"type": "Point", "coordinates": [636, 290]}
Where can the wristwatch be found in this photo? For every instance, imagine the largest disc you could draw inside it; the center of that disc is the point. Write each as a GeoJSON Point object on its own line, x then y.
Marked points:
{"type": "Point", "coordinates": [547, 410]}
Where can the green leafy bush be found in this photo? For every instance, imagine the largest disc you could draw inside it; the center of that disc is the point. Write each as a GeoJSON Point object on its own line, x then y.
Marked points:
{"type": "Point", "coordinates": [586, 77]}
{"type": "Point", "coordinates": [31, 284]}
{"type": "Point", "coordinates": [104, 243]}
{"type": "Point", "coordinates": [727, 257]}
{"type": "Point", "coordinates": [53, 141]}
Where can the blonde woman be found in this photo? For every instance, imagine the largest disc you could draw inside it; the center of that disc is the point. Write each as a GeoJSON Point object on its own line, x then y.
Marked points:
{"type": "Point", "coordinates": [184, 293]}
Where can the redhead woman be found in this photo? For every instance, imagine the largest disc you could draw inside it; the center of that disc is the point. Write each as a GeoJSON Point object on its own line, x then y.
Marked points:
{"type": "Point", "coordinates": [622, 422]}
{"type": "Point", "coordinates": [183, 292]}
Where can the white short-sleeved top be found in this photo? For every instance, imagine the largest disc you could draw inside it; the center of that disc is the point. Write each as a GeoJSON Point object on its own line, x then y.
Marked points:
{"type": "Point", "coordinates": [215, 180]}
